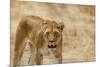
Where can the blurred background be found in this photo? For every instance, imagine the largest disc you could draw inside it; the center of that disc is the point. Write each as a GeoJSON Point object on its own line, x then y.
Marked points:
{"type": "Point", "coordinates": [78, 34]}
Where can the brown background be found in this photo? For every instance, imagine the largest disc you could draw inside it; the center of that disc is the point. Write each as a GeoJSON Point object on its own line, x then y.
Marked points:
{"type": "Point", "coordinates": [79, 30]}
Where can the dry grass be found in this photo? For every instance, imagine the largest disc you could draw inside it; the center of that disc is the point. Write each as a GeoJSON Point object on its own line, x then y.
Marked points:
{"type": "Point", "coordinates": [79, 31]}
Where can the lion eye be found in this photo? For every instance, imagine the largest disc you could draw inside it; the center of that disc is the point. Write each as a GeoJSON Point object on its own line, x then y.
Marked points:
{"type": "Point", "coordinates": [56, 33]}
{"type": "Point", "coordinates": [47, 33]}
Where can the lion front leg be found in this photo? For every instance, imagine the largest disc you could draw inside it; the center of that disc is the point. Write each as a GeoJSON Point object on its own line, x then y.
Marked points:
{"type": "Point", "coordinates": [58, 55]}
{"type": "Point", "coordinates": [59, 58]}
{"type": "Point", "coordinates": [39, 57]}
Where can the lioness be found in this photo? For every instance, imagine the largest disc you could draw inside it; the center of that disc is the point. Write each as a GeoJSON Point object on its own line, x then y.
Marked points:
{"type": "Point", "coordinates": [41, 34]}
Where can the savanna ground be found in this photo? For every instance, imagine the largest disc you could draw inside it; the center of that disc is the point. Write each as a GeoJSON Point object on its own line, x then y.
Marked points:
{"type": "Point", "coordinates": [78, 34]}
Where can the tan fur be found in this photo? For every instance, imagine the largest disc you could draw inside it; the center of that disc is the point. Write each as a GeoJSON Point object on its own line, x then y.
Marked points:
{"type": "Point", "coordinates": [35, 29]}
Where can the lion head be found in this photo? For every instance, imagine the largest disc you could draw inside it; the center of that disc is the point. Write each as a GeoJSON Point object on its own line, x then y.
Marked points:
{"type": "Point", "coordinates": [52, 33]}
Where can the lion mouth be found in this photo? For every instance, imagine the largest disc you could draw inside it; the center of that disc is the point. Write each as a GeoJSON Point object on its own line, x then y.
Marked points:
{"type": "Point", "coordinates": [51, 46]}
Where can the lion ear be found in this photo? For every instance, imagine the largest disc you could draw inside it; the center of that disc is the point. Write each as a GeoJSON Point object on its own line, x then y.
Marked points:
{"type": "Point", "coordinates": [60, 26]}
{"type": "Point", "coordinates": [43, 25]}
{"type": "Point", "coordinates": [44, 22]}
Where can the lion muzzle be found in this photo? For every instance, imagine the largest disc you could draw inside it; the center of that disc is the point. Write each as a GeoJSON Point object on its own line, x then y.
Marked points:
{"type": "Point", "coordinates": [51, 46]}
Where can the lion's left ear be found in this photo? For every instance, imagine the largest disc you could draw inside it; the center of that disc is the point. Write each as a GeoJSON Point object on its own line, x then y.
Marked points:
{"type": "Point", "coordinates": [60, 26]}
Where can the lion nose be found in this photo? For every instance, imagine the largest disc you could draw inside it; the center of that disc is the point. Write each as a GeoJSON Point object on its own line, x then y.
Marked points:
{"type": "Point", "coordinates": [51, 41]}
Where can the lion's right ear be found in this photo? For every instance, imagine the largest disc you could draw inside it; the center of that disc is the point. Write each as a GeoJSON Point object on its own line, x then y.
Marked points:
{"type": "Point", "coordinates": [43, 25]}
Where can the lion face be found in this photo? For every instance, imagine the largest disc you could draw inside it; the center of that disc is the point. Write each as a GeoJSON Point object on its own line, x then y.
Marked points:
{"type": "Point", "coordinates": [52, 33]}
